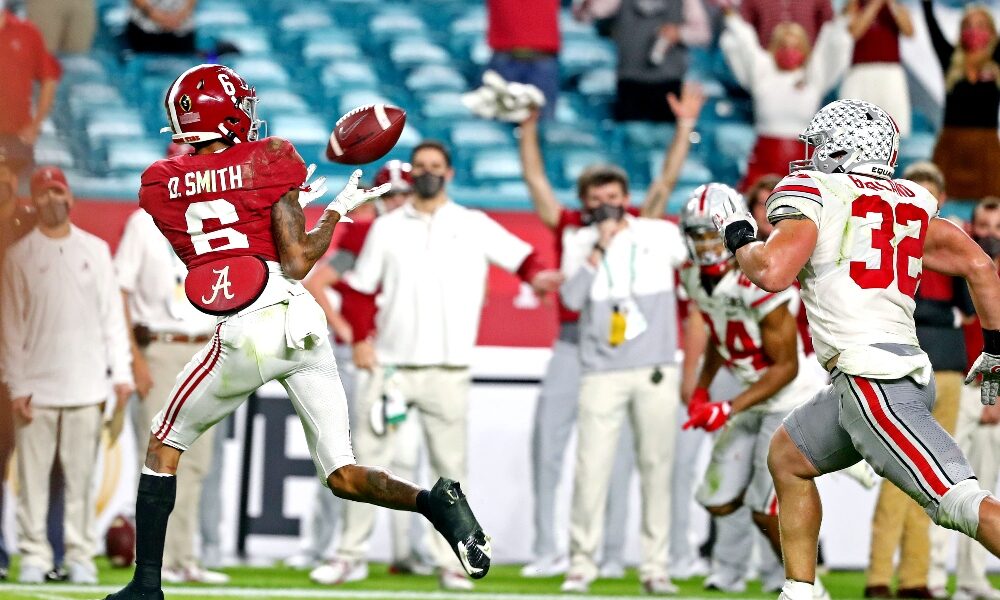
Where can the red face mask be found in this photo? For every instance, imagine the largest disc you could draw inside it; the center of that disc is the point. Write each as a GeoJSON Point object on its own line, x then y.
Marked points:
{"type": "Point", "coordinates": [789, 58]}
{"type": "Point", "coordinates": [974, 38]}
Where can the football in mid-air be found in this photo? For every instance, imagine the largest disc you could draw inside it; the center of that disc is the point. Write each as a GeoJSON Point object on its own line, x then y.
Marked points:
{"type": "Point", "coordinates": [366, 134]}
{"type": "Point", "coordinates": [120, 541]}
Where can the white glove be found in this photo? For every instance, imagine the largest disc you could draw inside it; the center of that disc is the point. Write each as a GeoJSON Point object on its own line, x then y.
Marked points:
{"type": "Point", "coordinates": [987, 365]}
{"type": "Point", "coordinates": [351, 197]}
{"type": "Point", "coordinates": [736, 225]}
{"type": "Point", "coordinates": [310, 191]}
{"type": "Point", "coordinates": [499, 99]}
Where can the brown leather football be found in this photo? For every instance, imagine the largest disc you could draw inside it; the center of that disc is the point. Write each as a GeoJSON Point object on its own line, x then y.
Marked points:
{"type": "Point", "coordinates": [366, 134]}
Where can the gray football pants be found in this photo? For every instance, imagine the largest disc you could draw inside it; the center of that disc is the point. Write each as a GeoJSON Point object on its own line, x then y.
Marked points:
{"type": "Point", "coordinates": [555, 418]}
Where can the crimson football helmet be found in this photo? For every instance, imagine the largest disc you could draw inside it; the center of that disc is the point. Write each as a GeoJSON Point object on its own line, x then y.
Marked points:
{"type": "Point", "coordinates": [211, 102]}
{"type": "Point", "coordinates": [396, 173]}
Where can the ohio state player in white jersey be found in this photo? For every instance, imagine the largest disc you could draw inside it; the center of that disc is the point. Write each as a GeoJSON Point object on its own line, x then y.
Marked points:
{"type": "Point", "coordinates": [858, 240]}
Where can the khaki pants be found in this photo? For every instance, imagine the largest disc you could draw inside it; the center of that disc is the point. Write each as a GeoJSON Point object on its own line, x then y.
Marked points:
{"type": "Point", "coordinates": [606, 400]}
{"type": "Point", "coordinates": [166, 360]}
{"type": "Point", "coordinates": [899, 522]}
{"type": "Point", "coordinates": [439, 396]}
{"type": "Point", "coordinates": [71, 435]}
{"type": "Point", "coordinates": [66, 25]}
{"type": "Point", "coordinates": [981, 445]}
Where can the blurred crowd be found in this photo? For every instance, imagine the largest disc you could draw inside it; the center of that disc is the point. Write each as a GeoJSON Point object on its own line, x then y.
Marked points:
{"type": "Point", "coordinates": [89, 338]}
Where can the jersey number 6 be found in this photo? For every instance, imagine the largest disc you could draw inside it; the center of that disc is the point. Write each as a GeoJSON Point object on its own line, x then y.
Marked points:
{"type": "Point", "coordinates": [882, 240]}
{"type": "Point", "coordinates": [222, 211]}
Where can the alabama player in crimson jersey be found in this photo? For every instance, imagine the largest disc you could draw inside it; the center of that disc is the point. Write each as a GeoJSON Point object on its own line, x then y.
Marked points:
{"type": "Point", "coordinates": [232, 211]}
{"type": "Point", "coordinates": [857, 240]}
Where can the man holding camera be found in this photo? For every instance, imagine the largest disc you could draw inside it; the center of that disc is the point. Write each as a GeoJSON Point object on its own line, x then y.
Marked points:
{"type": "Point", "coordinates": [620, 275]}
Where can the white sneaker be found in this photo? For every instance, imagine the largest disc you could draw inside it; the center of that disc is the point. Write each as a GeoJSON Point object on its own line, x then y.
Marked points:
{"type": "Point", "coordinates": [659, 586]}
{"type": "Point", "coordinates": [455, 581]}
{"type": "Point", "coordinates": [575, 584]}
{"type": "Point", "coordinates": [31, 574]}
{"type": "Point", "coordinates": [339, 570]}
{"type": "Point", "coordinates": [300, 562]}
{"type": "Point", "coordinates": [83, 573]}
{"type": "Point", "coordinates": [612, 570]}
{"type": "Point", "coordinates": [193, 575]}
{"type": "Point", "coordinates": [969, 593]}
{"type": "Point", "coordinates": [862, 472]}
{"type": "Point", "coordinates": [694, 567]}
{"type": "Point", "coordinates": [796, 590]}
{"type": "Point", "coordinates": [546, 567]}
{"type": "Point", "coordinates": [724, 583]}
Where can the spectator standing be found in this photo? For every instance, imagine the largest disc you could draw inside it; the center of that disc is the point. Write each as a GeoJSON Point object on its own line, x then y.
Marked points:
{"type": "Point", "coordinates": [24, 62]}
{"type": "Point", "coordinates": [557, 407]}
{"type": "Point", "coordinates": [16, 220]}
{"type": "Point", "coordinates": [653, 37]}
{"type": "Point", "coordinates": [942, 306]}
{"type": "Point", "coordinates": [524, 37]}
{"type": "Point", "coordinates": [968, 148]}
{"type": "Point", "coordinates": [978, 435]}
{"type": "Point", "coordinates": [766, 15]}
{"type": "Point", "coordinates": [876, 74]}
{"type": "Point", "coordinates": [162, 26]}
{"type": "Point", "coordinates": [430, 260]}
{"type": "Point", "coordinates": [63, 331]}
{"type": "Point", "coordinates": [66, 25]}
{"type": "Point", "coordinates": [787, 82]}
{"type": "Point", "coordinates": [168, 331]}
{"type": "Point", "coordinates": [355, 352]}
{"type": "Point", "coordinates": [620, 274]}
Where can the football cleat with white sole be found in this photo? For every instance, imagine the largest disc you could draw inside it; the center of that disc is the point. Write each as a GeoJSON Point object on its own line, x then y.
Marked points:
{"type": "Point", "coordinates": [659, 586]}
{"type": "Point", "coordinates": [339, 570]}
{"type": "Point", "coordinates": [451, 516]}
{"type": "Point", "coordinates": [862, 473]}
{"type": "Point", "coordinates": [575, 583]}
{"type": "Point", "coordinates": [193, 575]}
{"type": "Point", "coordinates": [970, 593]}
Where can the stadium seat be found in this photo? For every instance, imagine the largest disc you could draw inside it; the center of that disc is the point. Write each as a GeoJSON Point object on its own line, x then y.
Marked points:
{"type": "Point", "coordinates": [734, 141]}
{"type": "Point", "coordinates": [919, 146]}
{"type": "Point", "coordinates": [429, 78]}
{"type": "Point", "coordinates": [639, 136]}
{"type": "Point", "coordinates": [574, 162]}
{"type": "Point", "coordinates": [85, 99]}
{"type": "Point", "coordinates": [261, 72]}
{"type": "Point", "coordinates": [393, 24]}
{"type": "Point", "coordinates": [341, 75]}
{"type": "Point", "coordinates": [578, 56]}
{"type": "Point", "coordinates": [104, 126]}
{"type": "Point", "coordinates": [491, 165]}
{"type": "Point", "coordinates": [81, 68]}
{"type": "Point", "coordinates": [480, 134]}
{"type": "Point", "coordinates": [127, 156]}
{"type": "Point", "coordinates": [280, 101]}
{"type": "Point", "coordinates": [410, 52]}
{"type": "Point", "coordinates": [303, 20]}
{"type": "Point", "coordinates": [355, 98]}
{"type": "Point", "coordinates": [308, 132]}
{"type": "Point", "coordinates": [568, 136]}
{"type": "Point", "coordinates": [598, 82]}
{"type": "Point", "coordinates": [212, 15]}
{"type": "Point", "coordinates": [328, 45]}
{"type": "Point", "coordinates": [444, 106]}
{"type": "Point", "coordinates": [55, 151]}
{"type": "Point", "coordinates": [251, 41]}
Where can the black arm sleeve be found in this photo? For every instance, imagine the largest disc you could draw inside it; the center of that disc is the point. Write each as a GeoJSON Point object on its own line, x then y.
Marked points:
{"type": "Point", "coordinates": [942, 48]}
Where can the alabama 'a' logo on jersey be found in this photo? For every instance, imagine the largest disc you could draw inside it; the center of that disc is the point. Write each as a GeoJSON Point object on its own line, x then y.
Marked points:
{"type": "Point", "coordinates": [226, 285]}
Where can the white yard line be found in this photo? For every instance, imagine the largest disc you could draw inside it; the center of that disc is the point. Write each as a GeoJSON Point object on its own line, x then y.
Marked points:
{"type": "Point", "coordinates": [53, 590]}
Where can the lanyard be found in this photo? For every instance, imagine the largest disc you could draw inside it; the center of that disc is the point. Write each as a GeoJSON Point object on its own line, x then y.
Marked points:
{"type": "Point", "coordinates": [631, 270]}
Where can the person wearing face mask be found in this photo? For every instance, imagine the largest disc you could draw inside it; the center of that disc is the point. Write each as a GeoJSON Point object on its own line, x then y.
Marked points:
{"type": "Point", "coordinates": [65, 352]}
{"type": "Point", "coordinates": [620, 276]}
{"type": "Point", "coordinates": [968, 149]}
{"type": "Point", "coordinates": [355, 353]}
{"type": "Point", "coordinates": [428, 260]}
{"type": "Point", "coordinates": [876, 74]}
{"type": "Point", "coordinates": [787, 82]}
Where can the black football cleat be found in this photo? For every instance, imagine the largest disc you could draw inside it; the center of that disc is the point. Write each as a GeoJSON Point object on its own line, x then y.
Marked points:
{"type": "Point", "coordinates": [452, 517]}
{"type": "Point", "coordinates": [134, 592]}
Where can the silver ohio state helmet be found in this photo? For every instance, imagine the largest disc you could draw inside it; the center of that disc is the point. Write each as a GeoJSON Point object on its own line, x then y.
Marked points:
{"type": "Point", "coordinates": [851, 136]}
{"type": "Point", "coordinates": [696, 218]}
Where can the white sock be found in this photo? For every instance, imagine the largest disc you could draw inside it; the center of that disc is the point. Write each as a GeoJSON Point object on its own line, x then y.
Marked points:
{"type": "Point", "coordinates": [147, 471]}
{"type": "Point", "coordinates": [797, 590]}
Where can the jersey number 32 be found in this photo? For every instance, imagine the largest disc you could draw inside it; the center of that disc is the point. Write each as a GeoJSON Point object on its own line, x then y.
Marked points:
{"type": "Point", "coordinates": [894, 256]}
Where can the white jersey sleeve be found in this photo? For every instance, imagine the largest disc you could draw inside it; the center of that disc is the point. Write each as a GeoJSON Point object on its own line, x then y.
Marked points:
{"type": "Point", "coordinates": [799, 192]}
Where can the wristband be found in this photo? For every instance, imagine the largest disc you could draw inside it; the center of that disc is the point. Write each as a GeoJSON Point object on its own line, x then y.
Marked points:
{"type": "Point", "coordinates": [739, 234]}
{"type": "Point", "coordinates": [991, 341]}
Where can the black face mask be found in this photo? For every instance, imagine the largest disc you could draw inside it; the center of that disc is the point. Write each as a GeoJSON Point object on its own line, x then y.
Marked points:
{"type": "Point", "coordinates": [990, 245]}
{"type": "Point", "coordinates": [605, 212]}
{"type": "Point", "coordinates": [54, 213]}
{"type": "Point", "coordinates": [427, 185]}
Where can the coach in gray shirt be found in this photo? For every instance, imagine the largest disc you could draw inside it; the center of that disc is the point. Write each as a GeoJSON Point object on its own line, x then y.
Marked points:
{"type": "Point", "coordinates": [620, 275]}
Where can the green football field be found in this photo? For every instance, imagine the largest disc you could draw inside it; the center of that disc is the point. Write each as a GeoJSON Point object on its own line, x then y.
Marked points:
{"type": "Point", "coordinates": [503, 583]}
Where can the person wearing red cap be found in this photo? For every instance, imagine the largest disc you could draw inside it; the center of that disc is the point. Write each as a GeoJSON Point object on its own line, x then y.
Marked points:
{"type": "Point", "coordinates": [24, 61]}
{"type": "Point", "coordinates": [63, 331]}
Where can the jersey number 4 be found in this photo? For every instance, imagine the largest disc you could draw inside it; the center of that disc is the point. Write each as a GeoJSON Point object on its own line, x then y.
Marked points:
{"type": "Point", "coordinates": [894, 257]}
{"type": "Point", "coordinates": [221, 239]}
